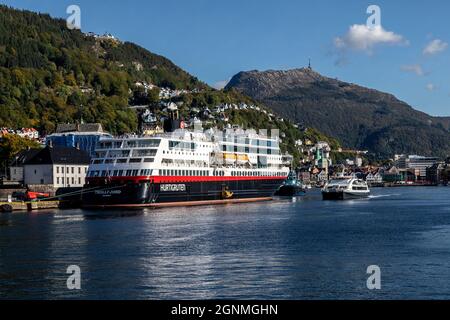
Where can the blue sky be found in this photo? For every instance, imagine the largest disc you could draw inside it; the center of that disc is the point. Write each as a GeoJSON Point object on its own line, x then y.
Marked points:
{"type": "Point", "coordinates": [409, 56]}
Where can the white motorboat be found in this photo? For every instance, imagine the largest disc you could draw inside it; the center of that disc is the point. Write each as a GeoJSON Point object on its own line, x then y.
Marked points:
{"type": "Point", "coordinates": [345, 189]}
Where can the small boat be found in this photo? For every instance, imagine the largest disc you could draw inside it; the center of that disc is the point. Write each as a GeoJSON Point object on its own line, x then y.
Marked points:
{"type": "Point", "coordinates": [345, 189]}
{"type": "Point", "coordinates": [291, 187]}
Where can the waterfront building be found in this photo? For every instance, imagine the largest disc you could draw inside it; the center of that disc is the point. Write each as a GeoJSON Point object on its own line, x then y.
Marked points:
{"type": "Point", "coordinates": [415, 162]}
{"type": "Point", "coordinates": [16, 172]}
{"type": "Point", "coordinates": [82, 136]}
{"type": "Point", "coordinates": [435, 173]}
{"type": "Point", "coordinates": [322, 176]}
{"type": "Point", "coordinates": [374, 177]}
{"type": "Point", "coordinates": [322, 158]}
{"type": "Point", "coordinates": [393, 174]}
{"type": "Point", "coordinates": [304, 175]}
{"type": "Point", "coordinates": [57, 167]}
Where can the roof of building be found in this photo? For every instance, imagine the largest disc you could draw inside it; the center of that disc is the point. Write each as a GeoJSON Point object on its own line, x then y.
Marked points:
{"type": "Point", "coordinates": [59, 155]}
{"type": "Point", "coordinates": [75, 127]}
{"type": "Point", "coordinates": [23, 156]}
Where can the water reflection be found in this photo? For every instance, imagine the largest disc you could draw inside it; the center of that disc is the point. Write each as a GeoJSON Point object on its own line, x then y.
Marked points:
{"type": "Point", "coordinates": [273, 250]}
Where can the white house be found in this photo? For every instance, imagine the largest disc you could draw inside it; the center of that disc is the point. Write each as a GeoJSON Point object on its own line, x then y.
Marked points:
{"type": "Point", "coordinates": [59, 167]}
{"type": "Point", "coordinates": [16, 172]}
{"type": "Point", "coordinates": [373, 178]}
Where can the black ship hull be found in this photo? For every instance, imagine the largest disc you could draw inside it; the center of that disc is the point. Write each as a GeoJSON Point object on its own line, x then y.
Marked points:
{"type": "Point", "coordinates": [175, 191]}
{"type": "Point", "coordinates": [289, 191]}
{"type": "Point", "coordinates": [340, 195]}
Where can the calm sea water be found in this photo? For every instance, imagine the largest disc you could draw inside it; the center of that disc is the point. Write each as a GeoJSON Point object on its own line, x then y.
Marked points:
{"type": "Point", "coordinates": [286, 249]}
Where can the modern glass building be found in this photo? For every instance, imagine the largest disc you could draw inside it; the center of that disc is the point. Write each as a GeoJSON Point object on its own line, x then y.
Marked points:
{"type": "Point", "coordinates": [419, 163]}
{"type": "Point", "coordinates": [81, 136]}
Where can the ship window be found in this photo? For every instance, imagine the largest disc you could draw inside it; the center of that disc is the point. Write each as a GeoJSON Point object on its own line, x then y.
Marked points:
{"type": "Point", "coordinates": [149, 160]}
{"type": "Point", "coordinates": [135, 172]}
{"type": "Point", "coordinates": [121, 160]}
{"type": "Point", "coordinates": [135, 160]}
{"type": "Point", "coordinates": [105, 145]}
{"type": "Point", "coordinates": [149, 143]}
{"type": "Point", "coordinates": [144, 153]}
{"type": "Point", "coordinates": [131, 143]}
{"type": "Point", "coordinates": [118, 153]}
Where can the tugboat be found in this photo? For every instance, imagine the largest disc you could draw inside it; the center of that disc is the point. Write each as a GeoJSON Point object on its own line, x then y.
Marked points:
{"type": "Point", "coordinates": [291, 187]}
{"type": "Point", "coordinates": [345, 189]}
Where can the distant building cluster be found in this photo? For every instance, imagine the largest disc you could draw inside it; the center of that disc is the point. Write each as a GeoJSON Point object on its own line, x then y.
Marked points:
{"type": "Point", "coordinates": [105, 36]}
{"type": "Point", "coordinates": [30, 133]}
{"type": "Point", "coordinates": [403, 170]}
{"type": "Point", "coordinates": [146, 86]}
{"type": "Point", "coordinates": [166, 93]}
{"type": "Point", "coordinates": [150, 121]}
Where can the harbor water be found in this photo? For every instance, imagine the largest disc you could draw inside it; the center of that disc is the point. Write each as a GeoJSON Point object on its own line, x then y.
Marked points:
{"type": "Point", "coordinates": [301, 248]}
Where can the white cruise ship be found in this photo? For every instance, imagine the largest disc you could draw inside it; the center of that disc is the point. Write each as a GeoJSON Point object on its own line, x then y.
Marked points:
{"type": "Point", "coordinates": [185, 168]}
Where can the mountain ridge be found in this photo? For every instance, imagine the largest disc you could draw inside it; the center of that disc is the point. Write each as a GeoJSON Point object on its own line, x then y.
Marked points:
{"type": "Point", "coordinates": [359, 117]}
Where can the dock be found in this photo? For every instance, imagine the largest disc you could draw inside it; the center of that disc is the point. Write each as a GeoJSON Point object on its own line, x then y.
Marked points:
{"type": "Point", "coordinates": [29, 206]}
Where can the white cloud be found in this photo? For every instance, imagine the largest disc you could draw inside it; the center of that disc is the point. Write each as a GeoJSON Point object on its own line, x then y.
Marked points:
{"type": "Point", "coordinates": [414, 68]}
{"type": "Point", "coordinates": [221, 84]}
{"type": "Point", "coordinates": [362, 38]}
{"type": "Point", "coordinates": [434, 47]}
{"type": "Point", "coordinates": [430, 87]}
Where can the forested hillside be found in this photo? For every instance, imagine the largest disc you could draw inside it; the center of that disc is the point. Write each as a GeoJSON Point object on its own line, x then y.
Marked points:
{"type": "Point", "coordinates": [50, 74]}
{"type": "Point", "coordinates": [48, 71]}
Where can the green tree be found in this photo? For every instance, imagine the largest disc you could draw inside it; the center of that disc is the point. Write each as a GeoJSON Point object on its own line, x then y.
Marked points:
{"type": "Point", "coordinates": [12, 144]}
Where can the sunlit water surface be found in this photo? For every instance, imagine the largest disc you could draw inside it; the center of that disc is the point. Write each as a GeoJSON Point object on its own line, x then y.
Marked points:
{"type": "Point", "coordinates": [300, 248]}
